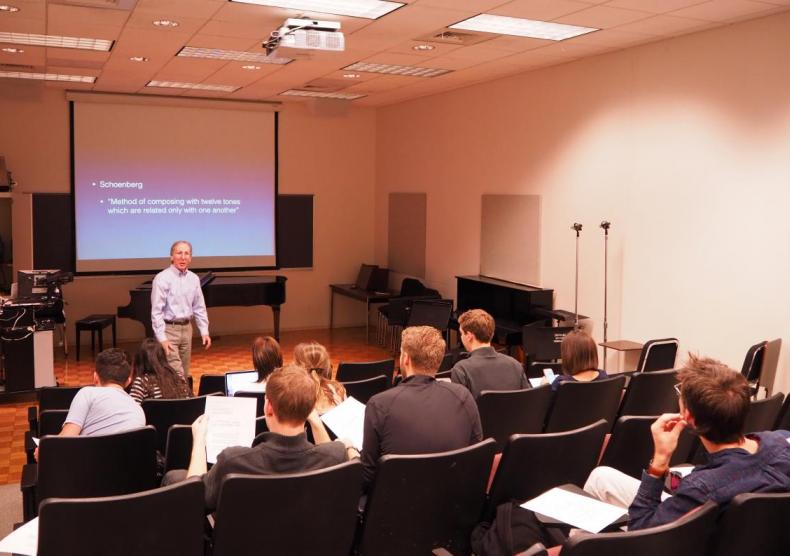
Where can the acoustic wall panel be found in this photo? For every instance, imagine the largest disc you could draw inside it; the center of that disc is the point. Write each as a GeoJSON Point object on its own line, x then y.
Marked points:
{"type": "Point", "coordinates": [510, 238]}
{"type": "Point", "coordinates": [406, 239]}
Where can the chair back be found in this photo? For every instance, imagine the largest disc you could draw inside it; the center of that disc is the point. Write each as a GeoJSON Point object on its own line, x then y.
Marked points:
{"type": "Point", "coordinates": [296, 514]}
{"type": "Point", "coordinates": [783, 420]}
{"type": "Point", "coordinates": [431, 312]}
{"type": "Point", "coordinates": [363, 390]}
{"type": "Point", "coordinates": [650, 394]}
{"type": "Point", "coordinates": [87, 466]}
{"type": "Point", "coordinates": [631, 445]}
{"type": "Point", "coordinates": [162, 414]}
{"type": "Point", "coordinates": [533, 463]}
{"type": "Point", "coordinates": [160, 522]}
{"type": "Point", "coordinates": [754, 523]}
{"type": "Point", "coordinates": [763, 414]}
{"type": "Point", "coordinates": [421, 502]}
{"type": "Point", "coordinates": [349, 372]}
{"type": "Point", "coordinates": [542, 343]}
{"type": "Point", "coordinates": [658, 355]}
{"type": "Point", "coordinates": [577, 404]}
{"type": "Point", "coordinates": [178, 450]}
{"type": "Point", "coordinates": [770, 364]}
{"type": "Point", "coordinates": [513, 412]}
{"type": "Point", "coordinates": [687, 536]}
{"type": "Point", "coordinates": [753, 363]}
{"type": "Point", "coordinates": [51, 421]}
{"type": "Point", "coordinates": [260, 398]}
{"type": "Point", "coordinates": [211, 384]}
{"type": "Point", "coordinates": [56, 397]}
{"type": "Point", "coordinates": [411, 286]}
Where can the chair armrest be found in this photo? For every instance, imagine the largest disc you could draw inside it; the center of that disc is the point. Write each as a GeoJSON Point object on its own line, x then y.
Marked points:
{"type": "Point", "coordinates": [30, 447]}
{"type": "Point", "coordinates": [32, 419]}
{"type": "Point", "coordinates": [28, 487]}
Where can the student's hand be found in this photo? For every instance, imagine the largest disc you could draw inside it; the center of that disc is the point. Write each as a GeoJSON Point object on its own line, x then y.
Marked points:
{"type": "Point", "coordinates": [167, 346]}
{"type": "Point", "coordinates": [199, 429]}
{"type": "Point", "coordinates": [314, 417]}
{"type": "Point", "coordinates": [351, 451]}
{"type": "Point", "coordinates": [666, 431]}
{"type": "Point", "coordinates": [206, 341]}
{"type": "Point", "coordinates": [35, 454]}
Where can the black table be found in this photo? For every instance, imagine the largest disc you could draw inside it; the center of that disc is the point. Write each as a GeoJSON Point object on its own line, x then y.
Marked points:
{"type": "Point", "coordinates": [350, 290]}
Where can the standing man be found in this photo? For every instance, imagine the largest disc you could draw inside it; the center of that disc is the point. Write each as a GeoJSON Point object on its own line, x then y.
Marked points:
{"type": "Point", "coordinates": [176, 297]}
{"type": "Point", "coordinates": [484, 369]}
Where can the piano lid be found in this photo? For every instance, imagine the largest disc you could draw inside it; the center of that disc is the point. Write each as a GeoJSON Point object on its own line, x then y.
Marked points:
{"type": "Point", "coordinates": [502, 283]}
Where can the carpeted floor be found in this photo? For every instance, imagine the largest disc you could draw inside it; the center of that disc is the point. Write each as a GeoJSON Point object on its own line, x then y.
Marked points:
{"type": "Point", "coordinates": [10, 508]}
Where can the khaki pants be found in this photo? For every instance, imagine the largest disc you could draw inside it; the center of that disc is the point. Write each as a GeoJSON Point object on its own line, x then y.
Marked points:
{"type": "Point", "coordinates": [180, 336]}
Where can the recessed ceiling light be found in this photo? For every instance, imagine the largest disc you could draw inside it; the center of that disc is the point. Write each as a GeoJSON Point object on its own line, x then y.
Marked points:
{"type": "Point", "coordinates": [233, 55]}
{"type": "Point", "coordinates": [351, 75]}
{"type": "Point", "coordinates": [391, 69]}
{"type": "Point", "coordinates": [165, 23]}
{"type": "Point", "coordinates": [48, 76]}
{"type": "Point", "coordinates": [250, 67]}
{"type": "Point", "coordinates": [519, 27]}
{"type": "Point", "coordinates": [8, 9]}
{"type": "Point", "coordinates": [423, 47]}
{"type": "Point", "coordinates": [317, 94]}
{"type": "Point", "coordinates": [56, 41]}
{"type": "Point", "coordinates": [138, 59]}
{"type": "Point", "coordinates": [12, 50]}
{"type": "Point", "coordinates": [369, 9]}
{"type": "Point", "coordinates": [196, 86]}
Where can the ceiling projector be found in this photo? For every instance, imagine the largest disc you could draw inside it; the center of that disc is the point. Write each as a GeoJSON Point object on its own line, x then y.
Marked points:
{"type": "Point", "coordinates": [306, 34]}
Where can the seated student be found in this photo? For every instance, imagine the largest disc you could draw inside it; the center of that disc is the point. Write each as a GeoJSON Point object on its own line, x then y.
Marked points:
{"type": "Point", "coordinates": [579, 360]}
{"type": "Point", "coordinates": [420, 415]}
{"type": "Point", "coordinates": [266, 357]}
{"type": "Point", "coordinates": [154, 378]}
{"type": "Point", "coordinates": [290, 398]}
{"type": "Point", "coordinates": [313, 357]}
{"type": "Point", "coordinates": [484, 369]}
{"type": "Point", "coordinates": [714, 402]}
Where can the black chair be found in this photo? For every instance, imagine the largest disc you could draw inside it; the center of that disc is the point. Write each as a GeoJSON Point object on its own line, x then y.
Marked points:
{"type": "Point", "coordinates": [87, 466]}
{"type": "Point", "coordinates": [350, 372]}
{"type": "Point", "coordinates": [631, 445]}
{"type": "Point", "coordinates": [687, 536]}
{"type": "Point", "coordinates": [534, 463]}
{"type": "Point", "coordinates": [211, 384]}
{"type": "Point", "coordinates": [95, 324]}
{"type": "Point", "coordinates": [260, 398]}
{"type": "Point", "coordinates": [49, 422]}
{"type": "Point", "coordinates": [753, 364]}
{"type": "Point", "coordinates": [178, 450]}
{"type": "Point", "coordinates": [162, 414]}
{"type": "Point", "coordinates": [159, 522]}
{"type": "Point", "coordinates": [754, 523]}
{"type": "Point", "coordinates": [431, 312]}
{"type": "Point", "coordinates": [577, 404]}
{"type": "Point", "coordinates": [50, 397]}
{"type": "Point", "coordinates": [541, 344]}
{"type": "Point", "coordinates": [783, 420]}
{"type": "Point", "coordinates": [763, 414]}
{"type": "Point", "coordinates": [650, 394]}
{"type": "Point", "coordinates": [421, 502]}
{"type": "Point", "coordinates": [261, 427]}
{"type": "Point", "coordinates": [658, 355]}
{"type": "Point", "coordinates": [296, 514]}
{"type": "Point", "coordinates": [410, 288]}
{"type": "Point", "coordinates": [444, 374]}
{"type": "Point", "coordinates": [363, 390]}
{"type": "Point", "coordinates": [513, 412]}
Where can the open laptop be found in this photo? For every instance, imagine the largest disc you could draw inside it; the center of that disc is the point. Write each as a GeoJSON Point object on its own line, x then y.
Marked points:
{"type": "Point", "coordinates": [237, 380]}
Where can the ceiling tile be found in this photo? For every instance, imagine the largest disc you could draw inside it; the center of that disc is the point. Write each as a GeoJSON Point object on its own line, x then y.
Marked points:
{"type": "Point", "coordinates": [602, 17]}
{"type": "Point", "coordinates": [653, 6]}
{"type": "Point", "coordinates": [665, 25]}
{"type": "Point", "coordinates": [724, 10]}
{"type": "Point", "coordinates": [543, 10]}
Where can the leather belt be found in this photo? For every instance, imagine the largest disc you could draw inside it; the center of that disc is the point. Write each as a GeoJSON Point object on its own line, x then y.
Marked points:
{"type": "Point", "coordinates": [177, 321]}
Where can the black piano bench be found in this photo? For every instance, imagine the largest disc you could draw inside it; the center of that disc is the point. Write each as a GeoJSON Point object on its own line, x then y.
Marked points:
{"type": "Point", "coordinates": [95, 323]}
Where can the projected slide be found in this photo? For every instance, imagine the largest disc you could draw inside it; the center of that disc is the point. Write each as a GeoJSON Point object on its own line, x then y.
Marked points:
{"type": "Point", "coordinates": [148, 175]}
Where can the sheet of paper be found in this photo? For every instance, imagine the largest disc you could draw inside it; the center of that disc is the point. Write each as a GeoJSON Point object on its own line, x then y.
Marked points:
{"type": "Point", "coordinates": [347, 421]}
{"type": "Point", "coordinates": [231, 422]}
{"type": "Point", "coordinates": [22, 541]}
{"type": "Point", "coordinates": [580, 511]}
{"type": "Point", "coordinates": [35, 440]}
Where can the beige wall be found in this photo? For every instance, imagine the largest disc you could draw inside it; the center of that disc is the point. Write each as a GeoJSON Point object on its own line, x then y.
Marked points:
{"type": "Point", "coordinates": [332, 157]}
{"type": "Point", "coordinates": [683, 145]}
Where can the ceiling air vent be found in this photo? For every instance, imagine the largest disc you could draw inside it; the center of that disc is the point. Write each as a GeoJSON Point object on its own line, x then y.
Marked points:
{"type": "Point", "coordinates": [111, 4]}
{"type": "Point", "coordinates": [17, 67]}
{"type": "Point", "coordinates": [458, 38]}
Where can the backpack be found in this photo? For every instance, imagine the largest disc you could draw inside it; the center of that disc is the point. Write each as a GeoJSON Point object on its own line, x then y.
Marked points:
{"type": "Point", "coordinates": [513, 530]}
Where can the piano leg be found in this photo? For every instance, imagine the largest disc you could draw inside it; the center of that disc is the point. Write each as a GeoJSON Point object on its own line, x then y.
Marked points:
{"type": "Point", "coordinates": [276, 315]}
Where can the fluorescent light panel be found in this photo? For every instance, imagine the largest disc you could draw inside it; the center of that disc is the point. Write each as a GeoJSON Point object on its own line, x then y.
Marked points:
{"type": "Point", "coordinates": [48, 76]}
{"type": "Point", "coordinates": [56, 41]}
{"type": "Point", "coordinates": [369, 9]}
{"type": "Point", "coordinates": [390, 69]}
{"type": "Point", "coordinates": [519, 27]}
{"type": "Point", "coordinates": [232, 55]}
{"type": "Point", "coordinates": [317, 94]}
{"type": "Point", "coordinates": [194, 86]}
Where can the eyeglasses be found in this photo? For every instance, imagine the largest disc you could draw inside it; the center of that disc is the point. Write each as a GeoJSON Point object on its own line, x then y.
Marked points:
{"type": "Point", "coordinates": [677, 388]}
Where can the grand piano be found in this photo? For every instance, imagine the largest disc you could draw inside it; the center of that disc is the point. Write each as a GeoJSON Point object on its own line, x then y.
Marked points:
{"type": "Point", "coordinates": [219, 291]}
{"type": "Point", "coordinates": [512, 305]}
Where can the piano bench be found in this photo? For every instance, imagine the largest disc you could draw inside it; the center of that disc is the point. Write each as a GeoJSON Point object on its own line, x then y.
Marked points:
{"type": "Point", "coordinates": [94, 324]}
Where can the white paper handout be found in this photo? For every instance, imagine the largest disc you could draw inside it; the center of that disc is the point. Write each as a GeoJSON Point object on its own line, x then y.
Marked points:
{"type": "Point", "coordinates": [22, 541]}
{"type": "Point", "coordinates": [347, 420]}
{"type": "Point", "coordinates": [578, 510]}
{"type": "Point", "coordinates": [231, 422]}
